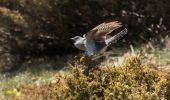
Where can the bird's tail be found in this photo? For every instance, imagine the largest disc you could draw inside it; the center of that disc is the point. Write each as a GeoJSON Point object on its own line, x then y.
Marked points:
{"type": "Point", "coordinates": [116, 37]}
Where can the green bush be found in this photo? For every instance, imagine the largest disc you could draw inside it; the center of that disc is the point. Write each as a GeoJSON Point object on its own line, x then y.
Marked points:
{"type": "Point", "coordinates": [131, 80]}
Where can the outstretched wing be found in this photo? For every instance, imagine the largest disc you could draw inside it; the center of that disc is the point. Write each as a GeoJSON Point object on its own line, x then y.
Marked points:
{"type": "Point", "coordinates": [113, 39]}
{"type": "Point", "coordinates": [90, 43]}
{"type": "Point", "coordinates": [105, 28]}
{"type": "Point", "coordinates": [98, 34]}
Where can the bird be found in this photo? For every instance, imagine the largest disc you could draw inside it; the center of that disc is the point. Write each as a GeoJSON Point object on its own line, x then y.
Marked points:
{"type": "Point", "coordinates": [99, 38]}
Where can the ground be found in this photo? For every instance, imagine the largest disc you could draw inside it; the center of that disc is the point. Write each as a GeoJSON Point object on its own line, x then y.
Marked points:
{"type": "Point", "coordinates": [39, 71]}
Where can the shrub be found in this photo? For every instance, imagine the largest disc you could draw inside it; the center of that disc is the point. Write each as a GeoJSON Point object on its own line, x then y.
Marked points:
{"type": "Point", "coordinates": [131, 80]}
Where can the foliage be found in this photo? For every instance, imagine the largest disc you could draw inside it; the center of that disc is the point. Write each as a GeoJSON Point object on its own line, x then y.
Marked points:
{"type": "Point", "coordinates": [40, 26]}
{"type": "Point", "coordinates": [131, 80]}
{"type": "Point", "coordinates": [63, 19]}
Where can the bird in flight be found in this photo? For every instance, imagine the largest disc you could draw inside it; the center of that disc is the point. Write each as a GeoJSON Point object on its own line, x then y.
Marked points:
{"type": "Point", "coordinates": [99, 38]}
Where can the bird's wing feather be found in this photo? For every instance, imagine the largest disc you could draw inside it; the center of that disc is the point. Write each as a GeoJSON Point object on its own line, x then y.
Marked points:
{"type": "Point", "coordinates": [98, 26]}
{"type": "Point", "coordinates": [99, 32]}
{"type": "Point", "coordinates": [106, 28]}
{"type": "Point", "coordinates": [113, 39]}
{"type": "Point", "coordinates": [90, 34]}
{"type": "Point", "coordinates": [90, 43]}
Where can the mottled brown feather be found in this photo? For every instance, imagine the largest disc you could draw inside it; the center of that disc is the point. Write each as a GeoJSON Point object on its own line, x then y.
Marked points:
{"type": "Point", "coordinates": [104, 29]}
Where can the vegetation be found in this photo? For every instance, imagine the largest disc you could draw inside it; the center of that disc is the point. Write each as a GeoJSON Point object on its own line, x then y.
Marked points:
{"type": "Point", "coordinates": [135, 78]}
{"type": "Point", "coordinates": [131, 80]}
{"type": "Point", "coordinates": [40, 26]}
{"type": "Point", "coordinates": [38, 59]}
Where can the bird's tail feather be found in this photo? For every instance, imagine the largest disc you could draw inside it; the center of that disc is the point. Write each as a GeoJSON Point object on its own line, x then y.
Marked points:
{"type": "Point", "coordinates": [116, 37]}
{"type": "Point", "coordinates": [113, 39]}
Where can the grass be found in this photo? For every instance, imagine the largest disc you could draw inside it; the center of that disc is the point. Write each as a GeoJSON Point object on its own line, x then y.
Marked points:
{"type": "Point", "coordinates": [42, 71]}
{"type": "Point", "coordinates": [37, 72]}
{"type": "Point", "coordinates": [24, 79]}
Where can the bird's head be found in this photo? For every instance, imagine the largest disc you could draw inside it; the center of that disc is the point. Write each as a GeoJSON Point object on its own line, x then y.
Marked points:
{"type": "Point", "coordinates": [76, 38]}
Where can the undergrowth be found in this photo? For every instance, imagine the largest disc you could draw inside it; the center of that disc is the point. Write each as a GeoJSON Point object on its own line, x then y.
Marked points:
{"type": "Point", "coordinates": [132, 80]}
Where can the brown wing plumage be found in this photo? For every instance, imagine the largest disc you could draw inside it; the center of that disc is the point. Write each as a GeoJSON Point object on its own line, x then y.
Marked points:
{"type": "Point", "coordinates": [105, 28]}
